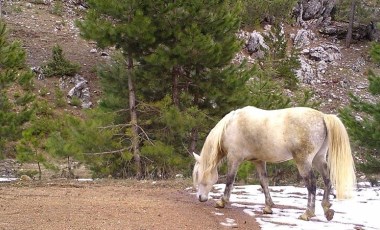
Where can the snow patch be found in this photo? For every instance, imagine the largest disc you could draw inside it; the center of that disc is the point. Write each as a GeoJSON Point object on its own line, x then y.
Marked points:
{"type": "Point", "coordinates": [360, 212]}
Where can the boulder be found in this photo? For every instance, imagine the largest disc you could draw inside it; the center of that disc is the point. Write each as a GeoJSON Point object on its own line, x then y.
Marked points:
{"type": "Point", "coordinates": [303, 38]}
{"type": "Point", "coordinates": [306, 73]}
{"type": "Point", "coordinates": [327, 53]}
{"type": "Point", "coordinates": [9, 168]}
{"type": "Point", "coordinates": [359, 31]}
{"type": "Point", "coordinates": [256, 44]}
{"type": "Point", "coordinates": [317, 11]}
{"type": "Point", "coordinates": [80, 90]}
{"type": "Point", "coordinates": [315, 61]}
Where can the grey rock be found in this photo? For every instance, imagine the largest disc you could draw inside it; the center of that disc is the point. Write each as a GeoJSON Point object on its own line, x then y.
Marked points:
{"type": "Point", "coordinates": [255, 43]}
{"type": "Point", "coordinates": [81, 91]}
{"type": "Point", "coordinates": [306, 73]}
{"type": "Point", "coordinates": [327, 53]}
{"type": "Point", "coordinates": [303, 37]}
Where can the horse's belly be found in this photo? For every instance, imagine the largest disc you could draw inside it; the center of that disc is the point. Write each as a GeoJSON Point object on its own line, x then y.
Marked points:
{"type": "Point", "coordinates": [274, 155]}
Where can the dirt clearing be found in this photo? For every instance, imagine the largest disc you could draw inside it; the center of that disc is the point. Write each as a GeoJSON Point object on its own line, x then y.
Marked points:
{"type": "Point", "coordinates": [112, 205]}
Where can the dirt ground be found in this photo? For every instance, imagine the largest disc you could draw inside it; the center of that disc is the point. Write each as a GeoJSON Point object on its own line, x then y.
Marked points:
{"type": "Point", "coordinates": [111, 204]}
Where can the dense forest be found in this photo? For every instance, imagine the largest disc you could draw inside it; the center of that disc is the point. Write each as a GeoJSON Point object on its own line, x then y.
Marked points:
{"type": "Point", "coordinates": [171, 77]}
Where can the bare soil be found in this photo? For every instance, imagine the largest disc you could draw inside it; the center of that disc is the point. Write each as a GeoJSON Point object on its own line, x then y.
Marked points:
{"type": "Point", "coordinates": [111, 204]}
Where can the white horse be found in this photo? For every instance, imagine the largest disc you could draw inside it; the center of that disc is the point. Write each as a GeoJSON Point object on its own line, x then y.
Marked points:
{"type": "Point", "coordinates": [303, 134]}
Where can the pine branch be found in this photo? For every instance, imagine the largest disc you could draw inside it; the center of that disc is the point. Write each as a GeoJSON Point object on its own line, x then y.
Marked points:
{"type": "Point", "coordinates": [115, 126]}
{"type": "Point", "coordinates": [108, 152]}
{"type": "Point", "coordinates": [145, 134]}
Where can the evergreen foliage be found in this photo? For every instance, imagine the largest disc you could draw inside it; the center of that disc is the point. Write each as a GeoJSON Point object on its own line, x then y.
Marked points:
{"type": "Point", "coordinates": [274, 11]}
{"type": "Point", "coordinates": [36, 146]}
{"type": "Point", "coordinates": [366, 131]}
{"type": "Point", "coordinates": [29, 150]}
{"type": "Point", "coordinates": [59, 66]}
{"type": "Point", "coordinates": [279, 60]}
{"type": "Point", "coordinates": [60, 143]}
{"type": "Point", "coordinates": [103, 144]}
{"type": "Point", "coordinates": [375, 52]}
{"type": "Point", "coordinates": [15, 92]}
{"type": "Point", "coordinates": [267, 93]}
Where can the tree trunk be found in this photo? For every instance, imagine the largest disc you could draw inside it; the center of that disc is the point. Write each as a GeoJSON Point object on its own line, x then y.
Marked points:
{"type": "Point", "coordinates": [351, 23]}
{"type": "Point", "coordinates": [39, 170]}
{"type": "Point", "coordinates": [175, 86]}
{"type": "Point", "coordinates": [193, 140]}
{"type": "Point", "coordinates": [69, 168]}
{"type": "Point", "coordinates": [133, 122]}
{"type": "Point", "coordinates": [194, 134]}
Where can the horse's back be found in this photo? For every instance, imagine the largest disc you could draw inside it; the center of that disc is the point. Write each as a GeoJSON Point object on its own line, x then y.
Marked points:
{"type": "Point", "coordinates": [274, 135]}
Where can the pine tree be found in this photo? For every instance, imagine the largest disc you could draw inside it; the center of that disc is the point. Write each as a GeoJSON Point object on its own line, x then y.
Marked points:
{"type": "Point", "coordinates": [366, 131]}
{"type": "Point", "coordinates": [197, 43]}
{"type": "Point", "coordinates": [175, 43]}
{"type": "Point", "coordinates": [178, 55]}
{"type": "Point", "coordinates": [277, 58]}
{"type": "Point", "coordinates": [15, 92]}
{"type": "Point", "coordinates": [122, 24]}
{"type": "Point", "coordinates": [59, 66]}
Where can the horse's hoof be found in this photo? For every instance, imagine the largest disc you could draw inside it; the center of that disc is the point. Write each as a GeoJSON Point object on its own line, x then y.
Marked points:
{"type": "Point", "coordinates": [267, 210]}
{"type": "Point", "coordinates": [220, 204]}
{"type": "Point", "coordinates": [304, 217]}
{"type": "Point", "coordinates": [329, 214]}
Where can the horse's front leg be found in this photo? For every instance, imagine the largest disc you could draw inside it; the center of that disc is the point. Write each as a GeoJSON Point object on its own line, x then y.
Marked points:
{"type": "Point", "coordinates": [262, 171]}
{"type": "Point", "coordinates": [231, 174]}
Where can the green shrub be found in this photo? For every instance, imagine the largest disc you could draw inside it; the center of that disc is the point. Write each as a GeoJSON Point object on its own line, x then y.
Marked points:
{"type": "Point", "coordinates": [59, 66]}
{"type": "Point", "coordinates": [257, 11]}
{"type": "Point", "coordinates": [59, 99]}
{"type": "Point", "coordinates": [75, 101]}
{"type": "Point", "coordinates": [57, 8]}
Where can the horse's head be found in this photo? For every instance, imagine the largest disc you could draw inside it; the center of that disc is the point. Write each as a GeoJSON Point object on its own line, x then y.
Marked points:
{"type": "Point", "coordinates": [203, 181]}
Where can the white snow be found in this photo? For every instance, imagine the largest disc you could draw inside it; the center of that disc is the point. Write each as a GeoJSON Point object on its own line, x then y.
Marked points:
{"type": "Point", "coordinates": [85, 179]}
{"type": "Point", "coordinates": [360, 212]}
{"type": "Point", "coordinates": [7, 179]}
{"type": "Point", "coordinates": [229, 222]}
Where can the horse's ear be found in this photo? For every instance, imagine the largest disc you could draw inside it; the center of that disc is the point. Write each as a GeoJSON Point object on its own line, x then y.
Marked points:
{"type": "Point", "coordinates": [197, 157]}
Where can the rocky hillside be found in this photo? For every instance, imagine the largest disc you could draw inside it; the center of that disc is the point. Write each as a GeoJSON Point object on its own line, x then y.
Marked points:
{"type": "Point", "coordinates": [328, 68]}
{"type": "Point", "coordinates": [40, 26]}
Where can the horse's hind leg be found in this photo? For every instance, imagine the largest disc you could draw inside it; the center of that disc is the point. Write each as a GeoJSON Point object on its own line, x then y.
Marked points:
{"type": "Point", "coordinates": [320, 164]}
{"type": "Point", "coordinates": [307, 174]}
{"type": "Point", "coordinates": [261, 170]}
{"type": "Point", "coordinates": [232, 166]}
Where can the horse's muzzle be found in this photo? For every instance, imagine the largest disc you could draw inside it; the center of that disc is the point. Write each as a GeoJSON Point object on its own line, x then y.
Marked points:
{"type": "Point", "coordinates": [202, 198]}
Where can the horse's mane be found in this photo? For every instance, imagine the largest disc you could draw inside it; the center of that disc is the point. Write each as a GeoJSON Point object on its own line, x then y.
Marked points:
{"type": "Point", "coordinates": [212, 152]}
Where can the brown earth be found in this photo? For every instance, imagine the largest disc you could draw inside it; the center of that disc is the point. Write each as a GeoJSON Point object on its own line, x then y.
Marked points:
{"type": "Point", "coordinates": [111, 204]}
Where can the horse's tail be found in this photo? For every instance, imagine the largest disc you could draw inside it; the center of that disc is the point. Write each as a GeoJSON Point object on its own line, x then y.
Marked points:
{"type": "Point", "coordinates": [212, 151]}
{"type": "Point", "coordinates": [340, 161]}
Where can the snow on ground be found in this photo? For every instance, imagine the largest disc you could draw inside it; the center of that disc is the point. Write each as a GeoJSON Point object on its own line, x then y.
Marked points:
{"type": "Point", "coordinates": [7, 179]}
{"type": "Point", "coordinates": [360, 212]}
